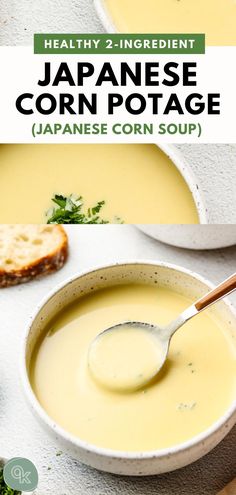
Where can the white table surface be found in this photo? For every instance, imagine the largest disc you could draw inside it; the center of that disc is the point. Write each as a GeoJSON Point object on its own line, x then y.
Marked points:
{"type": "Point", "coordinates": [214, 165]}
{"type": "Point", "coordinates": [20, 434]}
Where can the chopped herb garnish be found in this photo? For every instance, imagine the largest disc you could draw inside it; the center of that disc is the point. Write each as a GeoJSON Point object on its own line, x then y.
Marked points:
{"type": "Point", "coordinates": [71, 210]}
{"type": "Point", "coordinates": [4, 489]}
{"type": "Point", "coordinates": [186, 406]}
{"type": "Point", "coordinates": [192, 370]}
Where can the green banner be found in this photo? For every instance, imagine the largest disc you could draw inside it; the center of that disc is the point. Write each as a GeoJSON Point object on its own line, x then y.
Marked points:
{"type": "Point", "coordinates": [119, 43]}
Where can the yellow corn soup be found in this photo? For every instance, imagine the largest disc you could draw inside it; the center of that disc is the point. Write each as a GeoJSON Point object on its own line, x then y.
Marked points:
{"type": "Point", "coordinates": [138, 183]}
{"type": "Point", "coordinates": [115, 367]}
{"type": "Point", "coordinates": [193, 390]}
{"type": "Point", "coordinates": [215, 18]}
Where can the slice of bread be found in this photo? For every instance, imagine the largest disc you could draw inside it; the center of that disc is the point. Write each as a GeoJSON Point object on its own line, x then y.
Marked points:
{"type": "Point", "coordinates": [28, 251]}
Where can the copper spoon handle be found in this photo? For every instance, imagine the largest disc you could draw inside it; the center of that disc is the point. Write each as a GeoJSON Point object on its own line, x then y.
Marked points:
{"type": "Point", "coordinates": [222, 290]}
{"type": "Point", "coordinates": [230, 489]}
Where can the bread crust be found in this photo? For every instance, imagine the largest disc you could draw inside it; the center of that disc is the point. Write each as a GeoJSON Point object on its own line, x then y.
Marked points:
{"type": "Point", "coordinates": [45, 265]}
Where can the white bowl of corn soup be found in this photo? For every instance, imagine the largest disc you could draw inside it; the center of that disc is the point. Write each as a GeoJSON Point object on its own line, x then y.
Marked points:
{"type": "Point", "coordinates": [193, 236]}
{"type": "Point", "coordinates": [173, 421]}
{"type": "Point", "coordinates": [216, 19]}
{"type": "Point", "coordinates": [139, 183]}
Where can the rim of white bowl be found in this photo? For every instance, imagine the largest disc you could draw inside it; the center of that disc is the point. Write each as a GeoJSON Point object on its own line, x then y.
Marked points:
{"type": "Point", "coordinates": [190, 178]}
{"type": "Point", "coordinates": [104, 16]}
{"type": "Point", "coordinates": [76, 441]}
{"type": "Point", "coordinates": [169, 149]}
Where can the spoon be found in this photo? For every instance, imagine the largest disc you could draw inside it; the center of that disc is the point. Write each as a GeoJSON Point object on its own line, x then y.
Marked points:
{"type": "Point", "coordinates": [117, 364]}
{"type": "Point", "coordinates": [230, 489]}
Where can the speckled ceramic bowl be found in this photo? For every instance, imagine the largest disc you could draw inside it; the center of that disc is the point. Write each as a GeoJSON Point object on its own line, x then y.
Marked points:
{"type": "Point", "coordinates": [193, 236]}
{"type": "Point", "coordinates": [104, 16]}
{"type": "Point", "coordinates": [121, 462]}
{"type": "Point", "coordinates": [185, 170]}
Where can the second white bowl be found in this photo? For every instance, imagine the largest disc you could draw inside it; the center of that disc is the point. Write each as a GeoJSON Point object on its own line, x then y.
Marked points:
{"type": "Point", "coordinates": [192, 236]}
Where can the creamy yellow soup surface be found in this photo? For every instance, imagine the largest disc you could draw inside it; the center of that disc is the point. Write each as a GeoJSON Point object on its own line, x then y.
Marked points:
{"type": "Point", "coordinates": [215, 18]}
{"type": "Point", "coordinates": [194, 389]}
{"type": "Point", "coordinates": [139, 183]}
